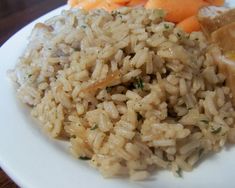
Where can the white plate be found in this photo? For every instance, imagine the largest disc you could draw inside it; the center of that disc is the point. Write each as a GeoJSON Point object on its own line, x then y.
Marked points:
{"type": "Point", "coordinates": [32, 159]}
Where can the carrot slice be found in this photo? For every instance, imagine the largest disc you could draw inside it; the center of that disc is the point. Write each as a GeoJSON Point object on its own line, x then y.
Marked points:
{"type": "Point", "coordinates": [123, 2]}
{"type": "Point", "coordinates": [108, 6]}
{"type": "Point", "coordinates": [189, 24]}
{"type": "Point", "coordinates": [177, 10]}
{"type": "Point", "coordinates": [133, 3]}
{"type": "Point", "coordinates": [89, 4]}
{"type": "Point", "coordinates": [73, 3]}
{"type": "Point", "coordinates": [216, 2]}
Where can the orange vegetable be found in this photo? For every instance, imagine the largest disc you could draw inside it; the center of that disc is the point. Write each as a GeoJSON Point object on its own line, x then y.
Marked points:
{"type": "Point", "coordinates": [123, 2]}
{"type": "Point", "coordinates": [73, 3]}
{"type": "Point", "coordinates": [88, 4]}
{"type": "Point", "coordinates": [190, 24]}
{"type": "Point", "coordinates": [150, 4]}
{"type": "Point", "coordinates": [133, 3]}
{"type": "Point", "coordinates": [107, 5]}
{"type": "Point", "coordinates": [216, 2]}
{"type": "Point", "coordinates": [177, 10]}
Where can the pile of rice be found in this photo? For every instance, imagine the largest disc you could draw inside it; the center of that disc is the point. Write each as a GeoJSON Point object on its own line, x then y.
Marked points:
{"type": "Point", "coordinates": [129, 91]}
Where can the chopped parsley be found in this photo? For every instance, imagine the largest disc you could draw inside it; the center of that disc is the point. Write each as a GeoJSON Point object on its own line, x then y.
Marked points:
{"type": "Point", "coordinates": [120, 16]}
{"type": "Point", "coordinates": [179, 172]}
{"type": "Point", "coordinates": [204, 121]}
{"type": "Point", "coordinates": [200, 152]}
{"type": "Point", "coordinates": [109, 89]}
{"type": "Point", "coordinates": [138, 83]}
{"type": "Point", "coordinates": [115, 13]}
{"type": "Point", "coordinates": [94, 127]}
{"type": "Point", "coordinates": [30, 75]}
{"type": "Point", "coordinates": [83, 26]}
{"type": "Point", "coordinates": [84, 158]}
{"type": "Point", "coordinates": [178, 35]}
{"type": "Point", "coordinates": [159, 13]}
{"type": "Point", "coordinates": [216, 131]}
{"type": "Point", "coordinates": [166, 26]}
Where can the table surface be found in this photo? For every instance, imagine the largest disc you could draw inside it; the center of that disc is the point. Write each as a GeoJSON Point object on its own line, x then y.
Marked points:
{"type": "Point", "coordinates": [15, 14]}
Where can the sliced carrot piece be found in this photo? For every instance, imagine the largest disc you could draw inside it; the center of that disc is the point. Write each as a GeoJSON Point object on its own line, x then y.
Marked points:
{"type": "Point", "coordinates": [89, 4]}
{"type": "Point", "coordinates": [73, 3]}
{"type": "Point", "coordinates": [123, 2]}
{"type": "Point", "coordinates": [177, 10]}
{"type": "Point", "coordinates": [190, 24]}
{"type": "Point", "coordinates": [108, 6]}
{"type": "Point", "coordinates": [151, 4]}
{"type": "Point", "coordinates": [216, 2]}
{"type": "Point", "coordinates": [133, 3]}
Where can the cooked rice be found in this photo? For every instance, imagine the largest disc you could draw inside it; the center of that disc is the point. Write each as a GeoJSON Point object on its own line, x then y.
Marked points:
{"type": "Point", "coordinates": [129, 91]}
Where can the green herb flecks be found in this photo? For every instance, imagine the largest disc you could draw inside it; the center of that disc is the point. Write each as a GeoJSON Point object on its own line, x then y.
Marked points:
{"type": "Point", "coordinates": [204, 121]}
{"type": "Point", "coordinates": [85, 158]}
{"type": "Point", "coordinates": [115, 13]}
{"type": "Point", "coordinates": [178, 35]}
{"type": "Point", "coordinates": [138, 83]}
{"type": "Point", "coordinates": [30, 75]}
{"type": "Point", "coordinates": [159, 13]}
{"type": "Point", "coordinates": [166, 26]}
{"type": "Point", "coordinates": [83, 26]}
{"type": "Point", "coordinates": [109, 89]}
{"type": "Point", "coordinates": [94, 127]}
{"type": "Point", "coordinates": [216, 131]}
{"type": "Point", "coordinates": [179, 172]}
{"type": "Point", "coordinates": [200, 152]}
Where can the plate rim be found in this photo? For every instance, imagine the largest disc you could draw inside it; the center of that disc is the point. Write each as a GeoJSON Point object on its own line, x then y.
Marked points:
{"type": "Point", "coordinates": [7, 170]}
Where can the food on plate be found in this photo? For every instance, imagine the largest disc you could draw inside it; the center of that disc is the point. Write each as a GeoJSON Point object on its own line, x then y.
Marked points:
{"type": "Point", "coordinates": [218, 23]}
{"type": "Point", "coordinates": [177, 10]}
{"type": "Point", "coordinates": [212, 18]}
{"type": "Point", "coordinates": [190, 24]}
{"type": "Point", "coordinates": [130, 91]}
{"type": "Point", "coordinates": [225, 37]}
{"type": "Point", "coordinates": [183, 13]}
